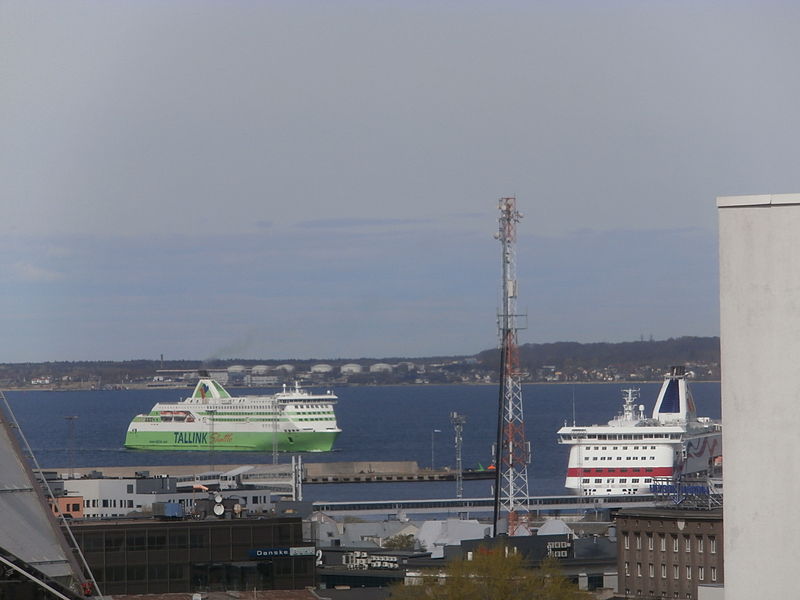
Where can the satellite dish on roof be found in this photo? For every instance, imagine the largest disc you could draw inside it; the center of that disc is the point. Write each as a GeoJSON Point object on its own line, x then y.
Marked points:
{"type": "Point", "coordinates": [219, 510]}
{"type": "Point", "coordinates": [218, 498]}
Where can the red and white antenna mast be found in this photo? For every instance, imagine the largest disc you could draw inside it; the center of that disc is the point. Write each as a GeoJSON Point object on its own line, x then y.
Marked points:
{"type": "Point", "coordinates": [512, 451]}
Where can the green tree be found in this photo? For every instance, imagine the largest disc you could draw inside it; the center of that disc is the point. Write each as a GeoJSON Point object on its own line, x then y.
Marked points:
{"type": "Point", "coordinates": [493, 574]}
{"type": "Point", "coordinates": [400, 542]}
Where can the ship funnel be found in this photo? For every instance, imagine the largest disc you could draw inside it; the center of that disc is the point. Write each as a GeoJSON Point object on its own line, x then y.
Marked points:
{"type": "Point", "coordinates": [675, 403]}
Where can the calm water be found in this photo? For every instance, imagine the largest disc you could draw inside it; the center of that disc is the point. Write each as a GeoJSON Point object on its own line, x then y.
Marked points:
{"type": "Point", "coordinates": [378, 423]}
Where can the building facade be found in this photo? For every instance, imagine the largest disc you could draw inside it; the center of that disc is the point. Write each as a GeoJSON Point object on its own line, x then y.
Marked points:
{"type": "Point", "coordinates": [667, 553]}
{"type": "Point", "coordinates": [155, 557]}
{"type": "Point", "coordinates": [759, 252]}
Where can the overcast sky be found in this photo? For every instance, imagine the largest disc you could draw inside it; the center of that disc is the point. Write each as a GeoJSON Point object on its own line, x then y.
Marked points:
{"type": "Point", "coordinates": [320, 179]}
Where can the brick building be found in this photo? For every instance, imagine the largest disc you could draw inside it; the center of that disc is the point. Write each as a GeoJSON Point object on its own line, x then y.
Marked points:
{"type": "Point", "coordinates": [668, 552]}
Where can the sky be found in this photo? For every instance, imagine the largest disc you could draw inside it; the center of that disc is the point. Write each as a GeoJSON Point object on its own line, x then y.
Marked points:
{"type": "Point", "coordinates": [314, 179]}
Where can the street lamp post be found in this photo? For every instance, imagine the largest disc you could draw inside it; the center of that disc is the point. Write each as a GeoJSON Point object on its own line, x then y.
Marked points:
{"type": "Point", "coordinates": [433, 462]}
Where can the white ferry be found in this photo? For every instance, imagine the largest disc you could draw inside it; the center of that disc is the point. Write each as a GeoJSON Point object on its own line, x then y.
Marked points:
{"type": "Point", "coordinates": [633, 452]}
{"type": "Point", "coordinates": [293, 420]}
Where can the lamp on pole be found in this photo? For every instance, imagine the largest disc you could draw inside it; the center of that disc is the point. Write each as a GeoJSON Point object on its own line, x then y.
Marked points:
{"type": "Point", "coordinates": [71, 444]}
{"type": "Point", "coordinates": [433, 463]}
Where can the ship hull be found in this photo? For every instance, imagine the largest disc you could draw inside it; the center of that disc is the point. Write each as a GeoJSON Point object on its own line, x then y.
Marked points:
{"type": "Point", "coordinates": [256, 441]}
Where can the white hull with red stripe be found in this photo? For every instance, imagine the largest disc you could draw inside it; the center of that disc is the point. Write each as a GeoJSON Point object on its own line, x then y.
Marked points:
{"type": "Point", "coordinates": [627, 454]}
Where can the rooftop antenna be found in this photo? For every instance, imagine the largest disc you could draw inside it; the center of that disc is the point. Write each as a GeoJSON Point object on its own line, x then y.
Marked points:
{"type": "Point", "coordinates": [275, 429]}
{"type": "Point", "coordinates": [512, 451]}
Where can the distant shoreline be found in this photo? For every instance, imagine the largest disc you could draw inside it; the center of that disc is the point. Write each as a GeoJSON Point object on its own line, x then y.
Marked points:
{"type": "Point", "coordinates": [140, 386]}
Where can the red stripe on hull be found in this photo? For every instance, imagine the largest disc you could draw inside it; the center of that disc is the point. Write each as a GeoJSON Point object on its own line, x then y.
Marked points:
{"type": "Point", "coordinates": [623, 472]}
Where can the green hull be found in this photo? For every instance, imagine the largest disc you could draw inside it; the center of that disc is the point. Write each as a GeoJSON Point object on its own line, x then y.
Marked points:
{"type": "Point", "coordinates": [299, 441]}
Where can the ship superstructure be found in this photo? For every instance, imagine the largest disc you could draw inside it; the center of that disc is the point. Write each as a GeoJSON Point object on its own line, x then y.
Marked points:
{"type": "Point", "coordinates": [293, 420]}
{"type": "Point", "coordinates": [633, 451]}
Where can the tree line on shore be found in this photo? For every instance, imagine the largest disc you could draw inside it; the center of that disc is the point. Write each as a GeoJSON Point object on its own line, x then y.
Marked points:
{"type": "Point", "coordinates": [557, 361]}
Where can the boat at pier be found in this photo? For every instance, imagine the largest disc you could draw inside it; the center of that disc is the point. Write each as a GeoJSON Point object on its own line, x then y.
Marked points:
{"type": "Point", "coordinates": [293, 420]}
{"type": "Point", "coordinates": [633, 452]}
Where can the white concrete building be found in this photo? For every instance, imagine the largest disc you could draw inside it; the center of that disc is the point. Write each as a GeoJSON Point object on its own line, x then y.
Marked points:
{"type": "Point", "coordinates": [760, 343]}
{"type": "Point", "coordinates": [116, 497]}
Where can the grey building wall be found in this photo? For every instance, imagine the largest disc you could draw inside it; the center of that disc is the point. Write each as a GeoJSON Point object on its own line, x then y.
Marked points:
{"type": "Point", "coordinates": [760, 351]}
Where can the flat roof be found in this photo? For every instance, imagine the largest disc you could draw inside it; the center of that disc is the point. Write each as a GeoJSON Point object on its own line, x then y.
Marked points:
{"type": "Point", "coordinates": [671, 513]}
{"type": "Point", "coordinates": [149, 521]}
{"type": "Point", "coordinates": [757, 200]}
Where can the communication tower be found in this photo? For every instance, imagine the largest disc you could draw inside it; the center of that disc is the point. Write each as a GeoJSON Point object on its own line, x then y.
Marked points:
{"type": "Point", "coordinates": [512, 450]}
{"type": "Point", "coordinates": [458, 425]}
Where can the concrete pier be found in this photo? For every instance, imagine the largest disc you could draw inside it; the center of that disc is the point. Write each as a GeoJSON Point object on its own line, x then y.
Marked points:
{"type": "Point", "coordinates": [333, 472]}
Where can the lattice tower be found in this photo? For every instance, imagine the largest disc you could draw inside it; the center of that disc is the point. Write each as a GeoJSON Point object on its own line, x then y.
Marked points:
{"type": "Point", "coordinates": [512, 449]}
{"type": "Point", "coordinates": [458, 426]}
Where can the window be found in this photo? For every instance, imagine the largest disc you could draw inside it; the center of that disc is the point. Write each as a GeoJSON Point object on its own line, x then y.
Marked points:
{"type": "Point", "coordinates": [649, 541]}
{"type": "Point", "coordinates": [699, 543]}
{"type": "Point", "coordinates": [688, 572]}
{"type": "Point", "coordinates": [651, 570]}
{"type": "Point", "coordinates": [712, 545]}
{"type": "Point", "coordinates": [663, 571]}
{"type": "Point", "coordinates": [627, 568]}
{"type": "Point", "coordinates": [638, 569]}
{"type": "Point", "coordinates": [701, 573]}
{"type": "Point", "coordinates": [638, 542]}
{"type": "Point", "coordinates": [713, 573]}
{"type": "Point", "coordinates": [676, 572]}
{"type": "Point", "coordinates": [687, 543]}
{"type": "Point", "coordinates": [662, 540]}
{"type": "Point", "coordinates": [674, 543]}
{"type": "Point", "coordinates": [627, 541]}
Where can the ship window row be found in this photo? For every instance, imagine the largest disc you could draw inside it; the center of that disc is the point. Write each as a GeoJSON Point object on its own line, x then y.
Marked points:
{"type": "Point", "coordinates": [251, 420]}
{"type": "Point", "coordinates": [625, 470]}
{"type": "Point", "coordinates": [244, 414]}
{"type": "Point", "coordinates": [626, 436]}
{"type": "Point", "coordinates": [620, 458]}
{"type": "Point", "coordinates": [255, 412]}
{"type": "Point", "coordinates": [605, 448]}
{"type": "Point", "coordinates": [622, 480]}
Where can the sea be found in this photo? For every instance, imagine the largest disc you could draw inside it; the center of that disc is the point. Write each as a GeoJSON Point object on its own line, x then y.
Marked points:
{"type": "Point", "coordinates": [379, 423]}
